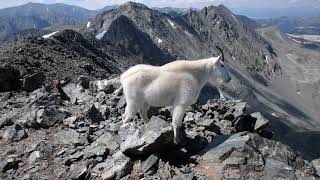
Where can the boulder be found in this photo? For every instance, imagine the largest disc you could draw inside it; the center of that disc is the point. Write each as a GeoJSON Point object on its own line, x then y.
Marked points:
{"type": "Point", "coordinates": [107, 85]}
{"type": "Point", "coordinates": [250, 156]}
{"type": "Point", "coordinates": [50, 116]}
{"type": "Point", "coordinates": [70, 121]}
{"type": "Point", "coordinates": [7, 163]}
{"type": "Point", "coordinates": [41, 151]}
{"type": "Point", "coordinates": [77, 93]}
{"type": "Point", "coordinates": [33, 81]}
{"type": "Point", "coordinates": [244, 123]}
{"type": "Point", "coordinates": [151, 161]}
{"type": "Point", "coordinates": [316, 164]}
{"type": "Point", "coordinates": [5, 120]}
{"type": "Point", "coordinates": [68, 136]}
{"type": "Point", "coordinates": [122, 103]}
{"type": "Point", "coordinates": [14, 133]}
{"type": "Point", "coordinates": [78, 171]}
{"type": "Point", "coordinates": [209, 124]}
{"type": "Point", "coordinates": [94, 114]}
{"type": "Point", "coordinates": [260, 123]}
{"type": "Point", "coordinates": [83, 81]}
{"type": "Point", "coordinates": [96, 150]}
{"type": "Point", "coordinates": [9, 78]}
{"type": "Point", "coordinates": [109, 140]}
{"type": "Point", "coordinates": [115, 167]}
{"type": "Point", "coordinates": [156, 136]}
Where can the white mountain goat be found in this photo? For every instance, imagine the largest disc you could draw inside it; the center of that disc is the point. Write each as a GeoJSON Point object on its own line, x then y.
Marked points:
{"type": "Point", "coordinates": [177, 84]}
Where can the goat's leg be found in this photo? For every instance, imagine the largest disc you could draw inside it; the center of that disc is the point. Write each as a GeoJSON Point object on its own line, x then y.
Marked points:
{"type": "Point", "coordinates": [144, 113]}
{"type": "Point", "coordinates": [177, 117]}
{"type": "Point", "coordinates": [130, 112]}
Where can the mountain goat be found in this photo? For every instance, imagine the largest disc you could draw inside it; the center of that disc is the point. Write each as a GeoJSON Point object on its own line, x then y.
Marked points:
{"type": "Point", "coordinates": [177, 84]}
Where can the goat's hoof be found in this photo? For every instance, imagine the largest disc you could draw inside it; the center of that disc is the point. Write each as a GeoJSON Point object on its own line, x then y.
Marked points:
{"type": "Point", "coordinates": [177, 140]}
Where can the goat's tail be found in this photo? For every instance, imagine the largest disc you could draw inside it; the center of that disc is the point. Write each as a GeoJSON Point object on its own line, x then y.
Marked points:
{"type": "Point", "coordinates": [221, 58]}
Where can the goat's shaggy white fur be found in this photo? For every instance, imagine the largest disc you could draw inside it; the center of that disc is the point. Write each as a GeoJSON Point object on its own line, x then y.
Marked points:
{"type": "Point", "coordinates": [177, 84]}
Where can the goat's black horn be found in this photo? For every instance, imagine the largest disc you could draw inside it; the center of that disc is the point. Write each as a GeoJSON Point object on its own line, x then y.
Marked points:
{"type": "Point", "coordinates": [222, 54]}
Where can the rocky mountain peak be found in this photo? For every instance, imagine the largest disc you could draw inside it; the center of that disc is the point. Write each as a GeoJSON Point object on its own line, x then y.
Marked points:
{"type": "Point", "coordinates": [134, 5]}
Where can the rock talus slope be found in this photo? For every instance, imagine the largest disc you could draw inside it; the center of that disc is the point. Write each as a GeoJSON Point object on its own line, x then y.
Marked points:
{"type": "Point", "coordinates": [84, 138]}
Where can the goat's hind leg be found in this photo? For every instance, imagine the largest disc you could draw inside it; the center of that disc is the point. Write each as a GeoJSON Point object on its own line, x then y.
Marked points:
{"type": "Point", "coordinates": [144, 112]}
{"type": "Point", "coordinates": [177, 118]}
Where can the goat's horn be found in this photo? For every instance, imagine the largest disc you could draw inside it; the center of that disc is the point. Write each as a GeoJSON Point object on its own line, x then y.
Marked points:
{"type": "Point", "coordinates": [222, 55]}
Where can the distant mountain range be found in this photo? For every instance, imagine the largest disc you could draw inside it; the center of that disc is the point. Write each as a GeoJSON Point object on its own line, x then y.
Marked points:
{"type": "Point", "coordinates": [43, 16]}
{"type": "Point", "coordinates": [294, 25]}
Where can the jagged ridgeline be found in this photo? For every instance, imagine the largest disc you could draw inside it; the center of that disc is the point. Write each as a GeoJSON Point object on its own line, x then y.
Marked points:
{"type": "Point", "coordinates": [157, 37]}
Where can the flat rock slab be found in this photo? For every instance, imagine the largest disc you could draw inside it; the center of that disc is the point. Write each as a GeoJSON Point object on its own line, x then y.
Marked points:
{"type": "Point", "coordinates": [249, 156]}
{"type": "Point", "coordinates": [261, 122]}
{"type": "Point", "coordinates": [115, 167]}
{"type": "Point", "coordinates": [68, 136]}
{"type": "Point", "coordinates": [156, 136]}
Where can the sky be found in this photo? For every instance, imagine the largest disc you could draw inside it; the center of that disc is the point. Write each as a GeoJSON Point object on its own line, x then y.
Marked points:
{"type": "Point", "coordinates": [241, 6]}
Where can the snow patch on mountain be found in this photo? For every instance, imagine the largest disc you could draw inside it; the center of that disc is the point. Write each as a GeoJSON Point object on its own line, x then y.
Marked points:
{"type": "Point", "coordinates": [187, 33]}
{"type": "Point", "coordinates": [49, 35]}
{"type": "Point", "coordinates": [234, 18]}
{"type": "Point", "coordinates": [159, 40]}
{"type": "Point", "coordinates": [88, 24]}
{"type": "Point", "coordinates": [171, 23]}
{"type": "Point", "coordinates": [100, 35]}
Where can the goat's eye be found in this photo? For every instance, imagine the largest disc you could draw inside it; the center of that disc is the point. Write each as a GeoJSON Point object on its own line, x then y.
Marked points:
{"type": "Point", "coordinates": [222, 65]}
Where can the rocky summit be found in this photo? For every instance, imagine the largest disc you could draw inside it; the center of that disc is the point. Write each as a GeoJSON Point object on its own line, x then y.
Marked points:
{"type": "Point", "coordinates": [75, 131]}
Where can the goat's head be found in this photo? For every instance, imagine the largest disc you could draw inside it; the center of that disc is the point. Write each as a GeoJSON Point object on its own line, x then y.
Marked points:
{"type": "Point", "coordinates": [219, 72]}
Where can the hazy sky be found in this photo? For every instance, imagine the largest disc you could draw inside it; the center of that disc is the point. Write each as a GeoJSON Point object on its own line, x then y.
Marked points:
{"type": "Point", "coordinates": [250, 8]}
{"type": "Point", "coordinates": [96, 4]}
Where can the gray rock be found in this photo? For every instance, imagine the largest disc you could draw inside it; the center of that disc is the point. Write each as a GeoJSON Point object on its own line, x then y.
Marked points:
{"type": "Point", "coordinates": [157, 136]}
{"type": "Point", "coordinates": [78, 171]}
{"type": "Point", "coordinates": [33, 82]}
{"type": "Point", "coordinates": [68, 136]}
{"type": "Point", "coordinates": [9, 78]}
{"type": "Point", "coordinates": [225, 127]}
{"type": "Point", "coordinates": [122, 103]}
{"type": "Point", "coordinates": [151, 161]}
{"type": "Point", "coordinates": [253, 156]}
{"type": "Point", "coordinates": [107, 85]}
{"type": "Point", "coordinates": [209, 124]}
{"type": "Point", "coordinates": [115, 167]}
{"type": "Point", "coordinates": [74, 157]}
{"type": "Point", "coordinates": [189, 176]}
{"type": "Point", "coordinates": [14, 133]}
{"type": "Point", "coordinates": [34, 157]}
{"type": "Point", "coordinates": [70, 120]}
{"type": "Point", "coordinates": [239, 109]}
{"type": "Point", "coordinates": [83, 81]}
{"type": "Point", "coordinates": [109, 140]}
{"type": "Point", "coordinates": [77, 93]}
{"type": "Point", "coordinates": [5, 120]}
{"type": "Point", "coordinates": [41, 151]}
{"type": "Point", "coordinates": [260, 123]}
{"type": "Point", "coordinates": [244, 123]}
{"type": "Point", "coordinates": [316, 164]}
{"type": "Point", "coordinates": [50, 116]}
{"type": "Point", "coordinates": [103, 109]}
{"type": "Point", "coordinates": [96, 150]}
{"type": "Point", "coordinates": [8, 163]}
{"type": "Point", "coordinates": [94, 114]}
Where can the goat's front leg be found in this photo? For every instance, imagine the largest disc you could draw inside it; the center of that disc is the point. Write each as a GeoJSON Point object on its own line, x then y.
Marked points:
{"type": "Point", "coordinates": [130, 112]}
{"type": "Point", "coordinates": [177, 117]}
